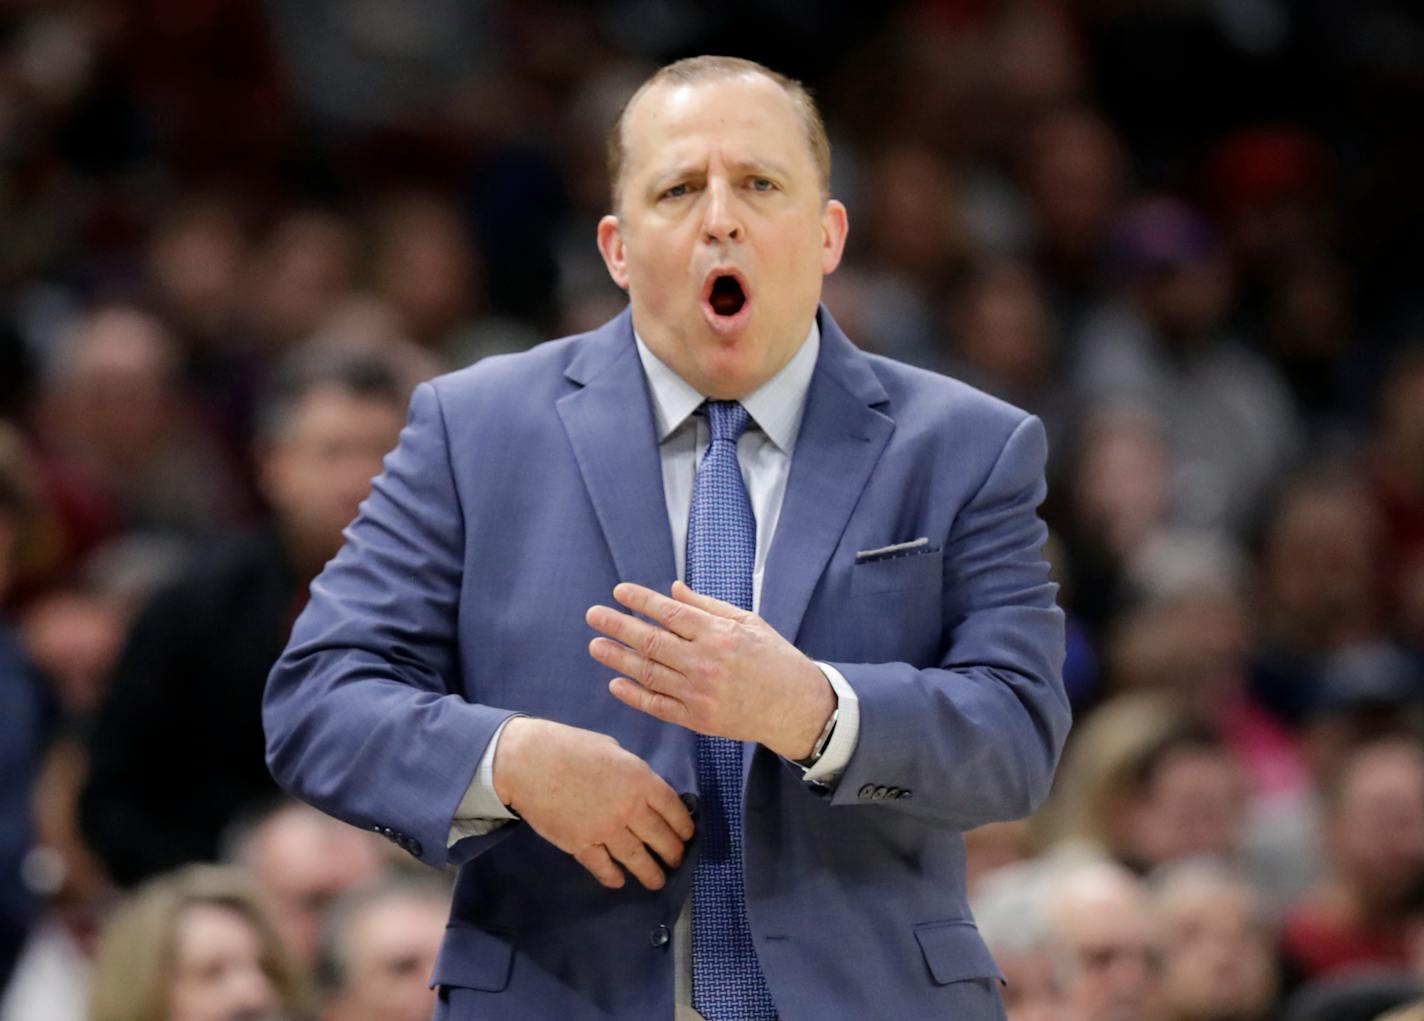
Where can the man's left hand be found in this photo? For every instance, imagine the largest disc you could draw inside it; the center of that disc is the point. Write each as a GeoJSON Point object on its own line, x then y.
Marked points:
{"type": "Point", "coordinates": [711, 667]}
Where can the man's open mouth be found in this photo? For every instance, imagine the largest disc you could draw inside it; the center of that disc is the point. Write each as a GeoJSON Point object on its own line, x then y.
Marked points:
{"type": "Point", "coordinates": [727, 297]}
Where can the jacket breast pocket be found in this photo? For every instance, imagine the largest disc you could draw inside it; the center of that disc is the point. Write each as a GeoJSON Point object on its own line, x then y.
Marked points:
{"type": "Point", "coordinates": [920, 569]}
{"type": "Point", "coordinates": [472, 958]}
{"type": "Point", "coordinates": [893, 613]}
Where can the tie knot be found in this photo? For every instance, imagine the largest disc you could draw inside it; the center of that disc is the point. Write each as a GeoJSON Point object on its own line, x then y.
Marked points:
{"type": "Point", "coordinates": [727, 419]}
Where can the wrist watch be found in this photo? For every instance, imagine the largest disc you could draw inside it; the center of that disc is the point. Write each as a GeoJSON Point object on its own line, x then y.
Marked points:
{"type": "Point", "coordinates": [819, 748]}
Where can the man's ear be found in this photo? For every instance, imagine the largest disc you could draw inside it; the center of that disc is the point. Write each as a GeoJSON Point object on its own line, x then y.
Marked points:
{"type": "Point", "coordinates": [610, 246]}
{"type": "Point", "coordinates": [834, 227]}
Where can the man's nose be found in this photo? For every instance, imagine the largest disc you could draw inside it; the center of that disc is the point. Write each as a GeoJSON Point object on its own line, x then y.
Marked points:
{"type": "Point", "coordinates": [720, 222]}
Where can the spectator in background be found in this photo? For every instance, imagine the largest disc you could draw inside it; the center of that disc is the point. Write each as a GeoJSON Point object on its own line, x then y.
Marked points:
{"type": "Point", "coordinates": [197, 281]}
{"type": "Point", "coordinates": [1184, 799]}
{"type": "Point", "coordinates": [1118, 506]}
{"type": "Point", "coordinates": [1311, 334]}
{"type": "Point", "coordinates": [1107, 945]}
{"type": "Point", "coordinates": [1146, 785]}
{"type": "Point", "coordinates": [1010, 907]}
{"type": "Point", "coordinates": [915, 242]}
{"type": "Point", "coordinates": [1361, 914]}
{"type": "Point", "coordinates": [195, 268]}
{"type": "Point", "coordinates": [194, 946]}
{"type": "Point", "coordinates": [429, 276]}
{"type": "Point", "coordinates": [1271, 189]}
{"type": "Point", "coordinates": [1398, 482]}
{"type": "Point", "coordinates": [1074, 173]}
{"type": "Point", "coordinates": [1193, 646]}
{"type": "Point", "coordinates": [426, 269]}
{"type": "Point", "coordinates": [1006, 342]}
{"type": "Point", "coordinates": [51, 976]}
{"type": "Point", "coordinates": [178, 747]}
{"type": "Point", "coordinates": [1365, 693]}
{"type": "Point", "coordinates": [378, 951]}
{"type": "Point", "coordinates": [1219, 958]}
{"type": "Point", "coordinates": [121, 445]}
{"type": "Point", "coordinates": [1319, 586]}
{"type": "Point", "coordinates": [1083, 815]}
{"type": "Point", "coordinates": [22, 712]}
{"type": "Point", "coordinates": [1162, 344]}
{"type": "Point", "coordinates": [302, 862]}
{"type": "Point", "coordinates": [300, 272]}
{"type": "Point", "coordinates": [73, 634]}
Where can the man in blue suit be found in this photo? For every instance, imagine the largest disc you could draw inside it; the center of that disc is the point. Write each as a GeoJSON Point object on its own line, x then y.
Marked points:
{"type": "Point", "coordinates": [745, 801]}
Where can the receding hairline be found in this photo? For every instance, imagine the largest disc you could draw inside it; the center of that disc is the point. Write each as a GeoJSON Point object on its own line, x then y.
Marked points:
{"type": "Point", "coordinates": [705, 70]}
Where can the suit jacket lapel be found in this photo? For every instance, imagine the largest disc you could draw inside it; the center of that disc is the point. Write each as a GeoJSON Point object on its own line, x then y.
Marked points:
{"type": "Point", "coordinates": [842, 436]}
{"type": "Point", "coordinates": [609, 422]}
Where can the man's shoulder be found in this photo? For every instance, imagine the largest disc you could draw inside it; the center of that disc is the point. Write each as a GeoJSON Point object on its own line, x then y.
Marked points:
{"type": "Point", "coordinates": [921, 394]}
{"type": "Point", "coordinates": [506, 384]}
{"type": "Point", "coordinates": [507, 375]}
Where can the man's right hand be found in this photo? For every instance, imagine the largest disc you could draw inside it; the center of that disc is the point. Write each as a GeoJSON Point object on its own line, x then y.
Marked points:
{"type": "Point", "coordinates": [587, 795]}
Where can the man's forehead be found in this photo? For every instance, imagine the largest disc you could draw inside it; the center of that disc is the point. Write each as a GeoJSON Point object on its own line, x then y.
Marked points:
{"type": "Point", "coordinates": [669, 113]}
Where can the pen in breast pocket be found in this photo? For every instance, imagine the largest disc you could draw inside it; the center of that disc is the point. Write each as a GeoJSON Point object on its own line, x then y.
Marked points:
{"type": "Point", "coordinates": [899, 547]}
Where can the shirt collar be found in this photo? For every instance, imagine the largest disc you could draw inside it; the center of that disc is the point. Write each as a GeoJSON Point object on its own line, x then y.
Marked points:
{"type": "Point", "coordinates": [775, 406]}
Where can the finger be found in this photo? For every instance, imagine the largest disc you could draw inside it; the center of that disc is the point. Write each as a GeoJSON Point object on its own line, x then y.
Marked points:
{"type": "Point", "coordinates": [649, 673]}
{"type": "Point", "coordinates": [651, 641]}
{"type": "Point", "coordinates": [654, 703]}
{"type": "Point", "coordinates": [600, 864]}
{"type": "Point", "coordinates": [653, 830]}
{"type": "Point", "coordinates": [678, 617]}
{"type": "Point", "coordinates": [666, 803]}
{"type": "Point", "coordinates": [687, 596]}
{"type": "Point", "coordinates": [634, 856]}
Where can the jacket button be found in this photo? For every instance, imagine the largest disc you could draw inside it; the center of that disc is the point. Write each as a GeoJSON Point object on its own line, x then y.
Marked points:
{"type": "Point", "coordinates": [903, 794]}
{"type": "Point", "coordinates": [880, 793]}
{"type": "Point", "coordinates": [689, 802]}
{"type": "Point", "coordinates": [659, 937]}
{"type": "Point", "coordinates": [413, 846]}
{"type": "Point", "coordinates": [868, 791]}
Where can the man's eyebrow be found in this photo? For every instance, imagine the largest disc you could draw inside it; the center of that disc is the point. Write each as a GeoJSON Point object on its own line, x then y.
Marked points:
{"type": "Point", "coordinates": [755, 165]}
{"type": "Point", "coordinates": [688, 170]}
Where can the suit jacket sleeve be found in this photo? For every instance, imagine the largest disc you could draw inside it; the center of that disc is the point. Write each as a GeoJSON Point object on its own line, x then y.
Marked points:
{"type": "Point", "coordinates": [976, 738]}
{"type": "Point", "coordinates": [359, 713]}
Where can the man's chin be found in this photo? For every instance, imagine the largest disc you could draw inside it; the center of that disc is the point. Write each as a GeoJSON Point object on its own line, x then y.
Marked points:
{"type": "Point", "coordinates": [728, 375]}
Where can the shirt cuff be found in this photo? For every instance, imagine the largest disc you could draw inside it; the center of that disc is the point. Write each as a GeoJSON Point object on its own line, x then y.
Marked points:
{"type": "Point", "coordinates": [480, 811]}
{"type": "Point", "coordinates": [841, 746]}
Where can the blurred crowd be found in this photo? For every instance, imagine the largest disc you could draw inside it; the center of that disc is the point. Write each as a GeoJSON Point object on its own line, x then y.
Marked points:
{"type": "Point", "coordinates": [235, 233]}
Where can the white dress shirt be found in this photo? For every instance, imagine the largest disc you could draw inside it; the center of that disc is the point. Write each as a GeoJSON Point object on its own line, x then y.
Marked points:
{"type": "Point", "coordinates": [764, 452]}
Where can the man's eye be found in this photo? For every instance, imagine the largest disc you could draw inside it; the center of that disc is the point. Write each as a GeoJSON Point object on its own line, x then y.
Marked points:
{"type": "Point", "coordinates": [677, 191]}
{"type": "Point", "coordinates": [763, 184]}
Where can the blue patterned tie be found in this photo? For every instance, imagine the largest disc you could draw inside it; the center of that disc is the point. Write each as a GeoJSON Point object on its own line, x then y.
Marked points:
{"type": "Point", "coordinates": [727, 983]}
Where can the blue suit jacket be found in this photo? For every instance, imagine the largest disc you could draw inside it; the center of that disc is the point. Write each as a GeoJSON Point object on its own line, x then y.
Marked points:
{"type": "Point", "coordinates": [522, 489]}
